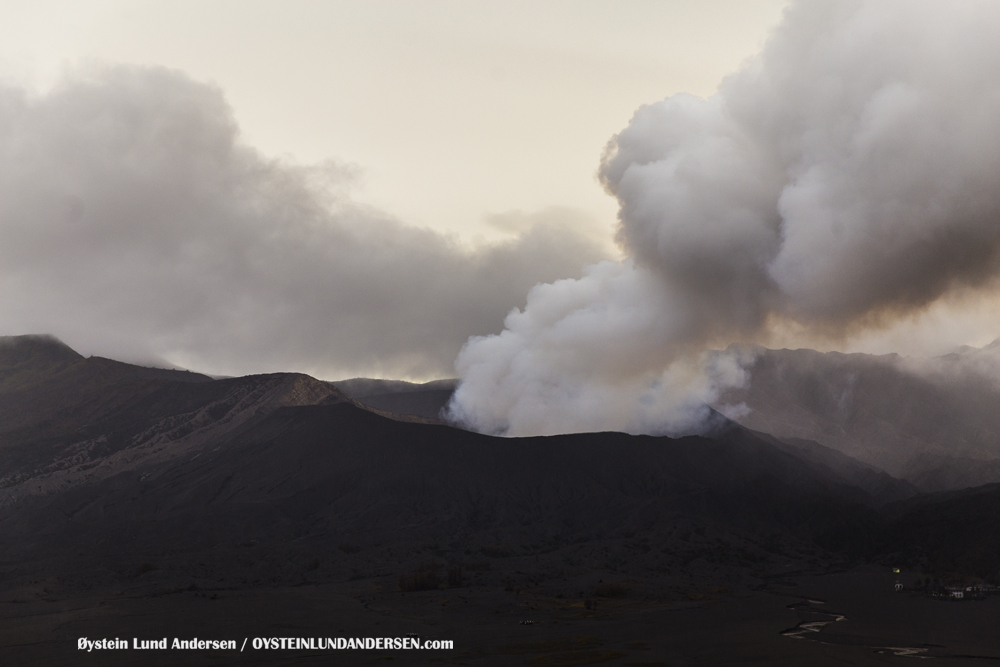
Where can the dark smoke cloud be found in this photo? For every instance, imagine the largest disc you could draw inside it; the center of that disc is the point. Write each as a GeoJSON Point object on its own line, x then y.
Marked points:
{"type": "Point", "coordinates": [135, 222]}
{"type": "Point", "coordinates": [847, 176]}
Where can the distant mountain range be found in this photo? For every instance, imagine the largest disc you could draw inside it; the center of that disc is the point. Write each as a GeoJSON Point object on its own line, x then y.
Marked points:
{"type": "Point", "coordinates": [106, 465]}
{"type": "Point", "coordinates": [934, 422]}
{"type": "Point", "coordinates": [423, 400]}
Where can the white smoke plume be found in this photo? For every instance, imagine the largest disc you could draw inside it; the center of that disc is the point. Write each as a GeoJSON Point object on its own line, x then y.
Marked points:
{"type": "Point", "coordinates": [135, 222]}
{"type": "Point", "coordinates": [845, 177]}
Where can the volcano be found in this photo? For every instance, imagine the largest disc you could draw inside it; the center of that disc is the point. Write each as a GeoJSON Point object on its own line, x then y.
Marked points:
{"type": "Point", "coordinates": [151, 502]}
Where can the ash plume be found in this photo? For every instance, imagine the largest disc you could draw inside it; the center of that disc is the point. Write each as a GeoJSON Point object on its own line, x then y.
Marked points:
{"type": "Point", "coordinates": [846, 177]}
{"type": "Point", "coordinates": [136, 222]}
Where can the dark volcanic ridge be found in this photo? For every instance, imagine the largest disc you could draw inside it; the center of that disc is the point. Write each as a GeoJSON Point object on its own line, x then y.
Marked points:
{"type": "Point", "coordinates": [148, 493]}
{"type": "Point", "coordinates": [425, 400]}
{"type": "Point", "coordinates": [932, 422]}
{"type": "Point", "coordinates": [105, 465]}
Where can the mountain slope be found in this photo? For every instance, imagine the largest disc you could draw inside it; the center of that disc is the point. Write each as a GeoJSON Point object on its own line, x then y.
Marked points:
{"type": "Point", "coordinates": [303, 481]}
{"type": "Point", "coordinates": [46, 388]}
{"type": "Point", "coordinates": [66, 419]}
{"type": "Point", "coordinates": [953, 533]}
{"type": "Point", "coordinates": [221, 478]}
{"type": "Point", "coordinates": [882, 487]}
{"type": "Point", "coordinates": [898, 414]}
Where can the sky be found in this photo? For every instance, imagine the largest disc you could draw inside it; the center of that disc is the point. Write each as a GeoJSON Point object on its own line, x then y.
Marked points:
{"type": "Point", "coordinates": [455, 143]}
{"type": "Point", "coordinates": [453, 113]}
{"type": "Point", "coordinates": [587, 211]}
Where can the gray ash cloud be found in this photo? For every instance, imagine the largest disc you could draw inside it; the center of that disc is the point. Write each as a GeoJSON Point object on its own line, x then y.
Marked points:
{"type": "Point", "coordinates": [846, 177]}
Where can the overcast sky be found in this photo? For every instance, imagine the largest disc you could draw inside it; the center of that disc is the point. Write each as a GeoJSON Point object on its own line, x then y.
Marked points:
{"type": "Point", "coordinates": [568, 204]}
{"type": "Point", "coordinates": [453, 111]}
{"type": "Point", "coordinates": [339, 188]}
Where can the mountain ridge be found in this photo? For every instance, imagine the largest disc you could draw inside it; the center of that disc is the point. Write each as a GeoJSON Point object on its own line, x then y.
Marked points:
{"type": "Point", "coordinates": [277, 505]}
{"type": "Point", "coordinates": [886, 410]}
{"type": "Point", "coordinates": [66, 419]}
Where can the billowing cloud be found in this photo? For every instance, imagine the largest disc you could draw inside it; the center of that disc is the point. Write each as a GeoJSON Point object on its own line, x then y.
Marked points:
{"type": "Point", "coordinates": [846, 177]}
{"type": "Point", "coordinates": [135, 221]}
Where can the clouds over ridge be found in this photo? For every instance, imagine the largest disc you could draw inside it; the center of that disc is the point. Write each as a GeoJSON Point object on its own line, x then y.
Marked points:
{"type": "Point", "coordinates": [135, 221]}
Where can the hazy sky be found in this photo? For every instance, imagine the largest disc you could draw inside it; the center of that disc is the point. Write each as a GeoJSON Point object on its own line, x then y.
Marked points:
{"type": "Point", "coordinates": [452, 111]}
{"type": "Point", "coordinates": [338, 188]}
{"type": "Point", "coordinates": [414, 189]}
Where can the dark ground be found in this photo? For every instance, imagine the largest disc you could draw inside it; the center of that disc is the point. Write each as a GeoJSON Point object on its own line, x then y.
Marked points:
{"type": "Point", "coordinates": [682, 627]}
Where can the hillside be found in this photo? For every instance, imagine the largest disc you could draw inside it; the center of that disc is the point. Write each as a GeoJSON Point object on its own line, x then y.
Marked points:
{"type": "Point", "coordinates": [66, 419]}
{"type": "Point", "coordinates": [933, 422]}
{"type": "Point", "coordinates": [146, 494]}
{"type": "Point", "coordinates": [305, 479]}
{"type": "Point", "coordinates": [284, 459]}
